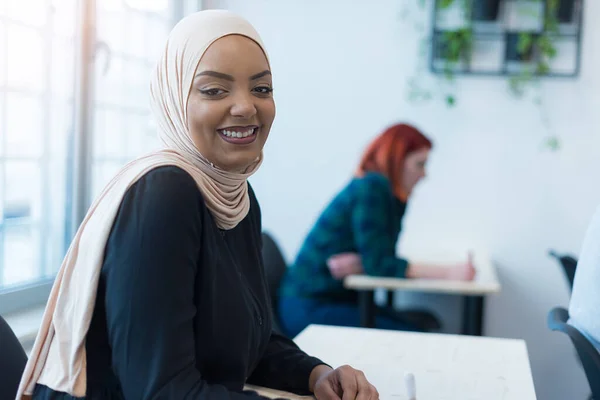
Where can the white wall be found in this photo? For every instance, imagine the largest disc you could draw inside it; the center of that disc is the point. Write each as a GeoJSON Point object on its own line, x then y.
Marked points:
{"type": "Point", "coordinates": [340, 70]}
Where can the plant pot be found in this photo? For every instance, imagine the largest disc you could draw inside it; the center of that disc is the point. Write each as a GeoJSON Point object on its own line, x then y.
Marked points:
{"type": "Point", "coordinates": [485, 10]}
{"type": "Point", "coordinates": [514, 53]}
{"type": "Point", "coordinates": [565, 11]}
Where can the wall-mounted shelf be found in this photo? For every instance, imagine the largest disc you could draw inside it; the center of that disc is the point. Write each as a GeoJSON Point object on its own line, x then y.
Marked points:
{"type": "Point", "coordinates": [496, 30]}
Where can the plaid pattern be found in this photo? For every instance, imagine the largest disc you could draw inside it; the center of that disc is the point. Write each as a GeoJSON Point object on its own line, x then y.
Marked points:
{"type": "Point", "coordinates": [364, 217]}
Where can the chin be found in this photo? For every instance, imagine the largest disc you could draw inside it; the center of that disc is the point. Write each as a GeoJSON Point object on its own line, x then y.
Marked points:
{"type": "Point", "coordinates": [239, 164]}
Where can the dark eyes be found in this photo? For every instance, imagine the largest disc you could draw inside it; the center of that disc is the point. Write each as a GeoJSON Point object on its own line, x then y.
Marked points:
{"type": "Point", "coordinates": [263, 89]}
{"type": "Point", "coordinates": [214, 92]}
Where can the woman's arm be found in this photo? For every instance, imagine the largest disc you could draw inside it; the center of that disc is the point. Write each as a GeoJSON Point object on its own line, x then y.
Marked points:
{"type": "Point", "coordinates": [149, 274]}
{"type": "Point", "coordinates": [285, 367]}
{"type": "Point", "coordinates": [459, 272]}
{"type": "Point", "coordinates": [376, 246]}
{"type": "Point", "coordinates": [344, 264]}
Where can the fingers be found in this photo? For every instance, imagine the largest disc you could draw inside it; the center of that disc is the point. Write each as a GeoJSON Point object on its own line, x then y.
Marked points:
{"type": "Point", "coordinates": [328, 393]}
{"type": "Point", "coordinates": [342, 265]}
{"type": "Point", "coordinates": [338, 271]}
{"type": "Point", "coordinates": [355, 385]}
{"type": "Point", "coordinates": [346, 259]}
{"type": "Point", "coordinates": [334, 267]}
{"type": "Point", "coordinates": [471, 271]}
{"type": "Point", "coordinates": [348, 383]}
{"type": "Point", "coordinates": [366, 391]}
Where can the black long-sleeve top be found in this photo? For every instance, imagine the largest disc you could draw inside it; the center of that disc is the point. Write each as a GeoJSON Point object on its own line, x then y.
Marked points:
{"type": "Point", "coordinates": [183, 310]}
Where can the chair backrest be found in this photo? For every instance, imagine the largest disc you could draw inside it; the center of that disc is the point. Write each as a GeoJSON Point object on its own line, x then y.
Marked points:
{"type": "Point", "coordinates": [12, 361]}
{"type": "Point", "coordinates": [275, 267]}
{"type": "Point", "coordinates": [588, 354]}
{"type": "Point", "coordinates": [569, 265]}
{"type": "Point", "coordinates": [274, 263]}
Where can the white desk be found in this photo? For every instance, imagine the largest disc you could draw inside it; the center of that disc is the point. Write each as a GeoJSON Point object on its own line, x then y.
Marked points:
{"type": "Point", "coordinates": [276, 394]}
{"type": "Point", "coordinates": [485, 283]}
{"type": "Point", "coordinates": [446, 367]}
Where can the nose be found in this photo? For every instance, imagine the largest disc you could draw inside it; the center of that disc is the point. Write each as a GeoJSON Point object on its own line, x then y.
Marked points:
{"type": "Point", "coordinates": [243, 106]}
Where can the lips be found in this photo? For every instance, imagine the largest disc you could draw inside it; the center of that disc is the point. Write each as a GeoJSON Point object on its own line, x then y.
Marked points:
{"type": "Point", "coordinates": [239, 134]}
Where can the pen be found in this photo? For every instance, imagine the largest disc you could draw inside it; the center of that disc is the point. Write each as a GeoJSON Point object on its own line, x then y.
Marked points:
{"type": "Point", "coordinates": [411, 387]}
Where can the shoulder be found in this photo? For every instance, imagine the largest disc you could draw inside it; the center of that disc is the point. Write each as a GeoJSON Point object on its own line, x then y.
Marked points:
{"type": "Point", "coordinates": [372, 183]}
{"type": "Point", "coordinates": [168, 177]}
{"type": "Point", "coordinates": [162, 212]}
{"type": "Point", "coordinates": [164, 189]}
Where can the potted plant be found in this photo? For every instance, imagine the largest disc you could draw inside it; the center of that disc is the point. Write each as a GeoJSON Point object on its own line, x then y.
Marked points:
{"type": "Point", "coordinates": [520, 46]}
{"type": "Point", "coordinates": [485, 10]}
{"type": "Point", "coordinates": [455, 48]}
{"type": "Point", "coordinates": [547, 51]}
{"type": "Point", "coordinates": [529, 48]}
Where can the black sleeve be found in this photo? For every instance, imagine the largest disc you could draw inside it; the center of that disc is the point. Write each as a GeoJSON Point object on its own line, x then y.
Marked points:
{"type": "Point", "coordinates": [283, 366]}
{"type": "Point", "coordinates": [149, 271]}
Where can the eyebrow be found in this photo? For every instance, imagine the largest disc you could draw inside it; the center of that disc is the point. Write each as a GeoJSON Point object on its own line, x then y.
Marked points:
{"type": "Point", "coordinates": [260, 75]}
{"type": "Point", "coordinates": [230, 78]}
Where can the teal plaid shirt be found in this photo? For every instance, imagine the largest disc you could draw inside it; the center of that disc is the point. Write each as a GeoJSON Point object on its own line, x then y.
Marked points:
{"type": "Point", "coordinates": [365, 217]}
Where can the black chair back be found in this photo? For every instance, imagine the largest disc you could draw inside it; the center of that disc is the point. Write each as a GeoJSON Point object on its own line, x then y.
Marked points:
{"type": "Point", "coordinates": [569, 266]}
{"type": "Point", "coordinates": [12, 361]}
{"type": "Point", "coordinates": [588, 354]}
{"type": "Point", "coordinates": [275, 267]}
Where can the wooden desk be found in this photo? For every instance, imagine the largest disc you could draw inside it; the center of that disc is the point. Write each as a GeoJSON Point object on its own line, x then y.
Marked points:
{"type": "Point", "coordinates": [485, 282]}
{"type": "Point", "coordinates": [446, 367]}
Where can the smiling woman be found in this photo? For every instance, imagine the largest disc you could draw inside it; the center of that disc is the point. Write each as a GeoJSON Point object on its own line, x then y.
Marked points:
{"type": "Point", "coordinates": [230, 107]}
{"type": "Point", "coordinates": [164, 294]}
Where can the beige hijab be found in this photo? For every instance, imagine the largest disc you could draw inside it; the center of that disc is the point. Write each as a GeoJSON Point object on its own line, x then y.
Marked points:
{"type": "Point", "coordinates": [58, 358]}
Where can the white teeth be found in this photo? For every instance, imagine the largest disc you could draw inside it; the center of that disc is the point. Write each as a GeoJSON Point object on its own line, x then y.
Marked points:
{"type": "Point", "coordinates": [237, 134]}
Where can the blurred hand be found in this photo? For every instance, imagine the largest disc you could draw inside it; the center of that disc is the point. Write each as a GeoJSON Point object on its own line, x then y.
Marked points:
{"type": "Point", "coordinates": [463, 272]}
{"type": "Point", "coordinates": [344, 264]}
{"type": "Point", "coordinates": [344, 383]}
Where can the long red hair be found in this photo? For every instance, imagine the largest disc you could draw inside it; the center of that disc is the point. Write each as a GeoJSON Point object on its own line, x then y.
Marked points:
{"type": "Point", "coordinates": [386, 154]}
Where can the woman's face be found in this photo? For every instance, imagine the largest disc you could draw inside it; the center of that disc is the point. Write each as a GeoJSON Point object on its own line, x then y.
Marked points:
{"type": "Point", "coordinates": [414, 169]}
{"type": "Point", "coordinates": [230, 107]}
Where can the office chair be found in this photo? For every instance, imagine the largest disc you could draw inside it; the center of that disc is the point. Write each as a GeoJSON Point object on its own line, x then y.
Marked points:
{"type": "Point", "coordinates": [569, 265]}
{"type": "Point", "coordinates": [588, 354]}
{"type": "Point", "coordinates": [12, 361]}
{"type": "Point", "coordinates": [275, 267]}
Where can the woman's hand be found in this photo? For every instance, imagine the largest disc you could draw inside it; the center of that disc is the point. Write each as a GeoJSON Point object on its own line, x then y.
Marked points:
{"type": "Point", "coordinates": [463, 272]}
{"type": "Point", "coordinates": [344, 264]}
{"type": "Point", "coordinates": [343, 383]}
{"type": "Point", "coordinates": [458, 272]}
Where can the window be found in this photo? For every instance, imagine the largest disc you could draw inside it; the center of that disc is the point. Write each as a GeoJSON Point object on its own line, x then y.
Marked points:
{"type": "Point", "coordinates": [39, 64]}
{"type": "Point", "coordinates": [36, 111]}
{"type": "Point", "coordinates": [122, 130]}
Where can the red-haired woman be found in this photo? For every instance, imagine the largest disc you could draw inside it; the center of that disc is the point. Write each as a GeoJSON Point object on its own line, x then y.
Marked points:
{"type": "Point", "coordinates": [357, 233]}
